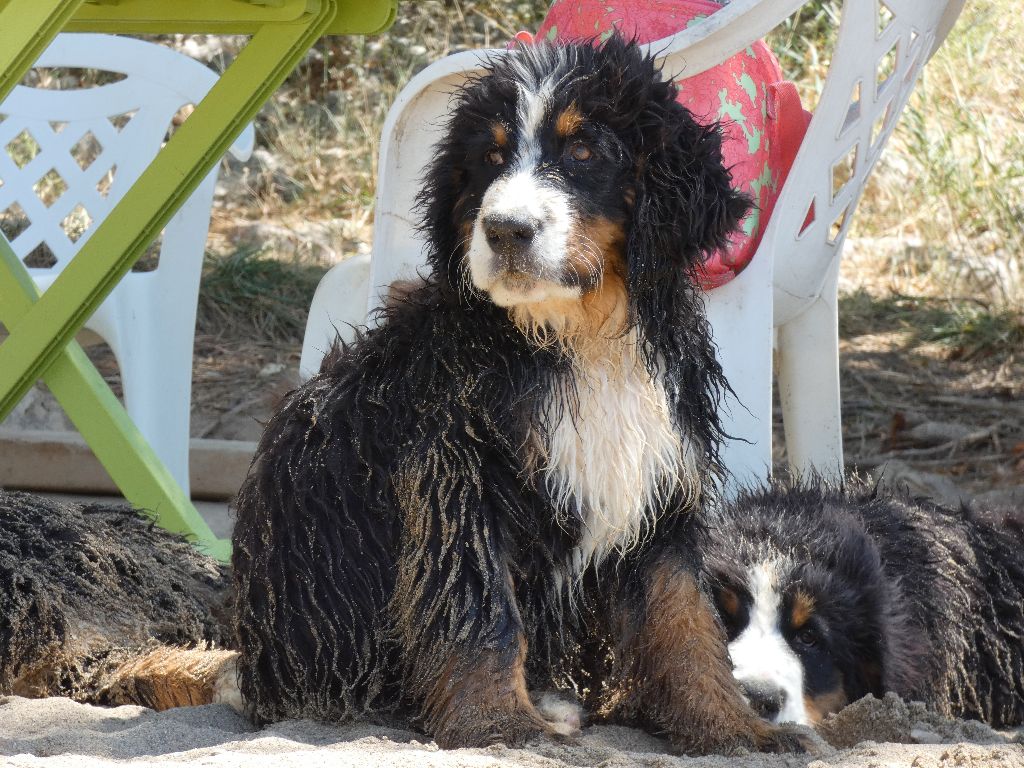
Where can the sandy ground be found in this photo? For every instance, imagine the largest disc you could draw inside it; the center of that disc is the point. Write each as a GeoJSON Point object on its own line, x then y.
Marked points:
{"type": "Point", "coordinates": [59, 732]}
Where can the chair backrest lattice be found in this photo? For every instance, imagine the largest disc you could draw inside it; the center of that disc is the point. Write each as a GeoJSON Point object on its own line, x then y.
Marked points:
{"type": "Point", "coordinates": [62, 173]}
{"type": "Point", "coordinates": [68, 155]}
{"type": "Point", "coordinates": [880, 50]}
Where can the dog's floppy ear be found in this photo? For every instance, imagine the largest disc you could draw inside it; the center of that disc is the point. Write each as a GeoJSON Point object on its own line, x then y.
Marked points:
{"type": "Point", "coordinates": [446, 203]}
{"type": "Point", "coordinates": [685, 207]}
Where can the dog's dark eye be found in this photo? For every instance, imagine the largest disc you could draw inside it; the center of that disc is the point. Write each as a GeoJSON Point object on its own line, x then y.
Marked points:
{"type": "Point", "coordinates": [494, 157]}
{"type": "Point", "coordinates": [808, 637]}
{"type": "Point", "coordinates": [580, 151]}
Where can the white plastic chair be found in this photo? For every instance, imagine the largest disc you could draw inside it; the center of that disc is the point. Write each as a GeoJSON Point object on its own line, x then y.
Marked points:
{"type": "Point", "coordinates": [790, 285]}
{"type": "Point", "coordinates": [98, 141]}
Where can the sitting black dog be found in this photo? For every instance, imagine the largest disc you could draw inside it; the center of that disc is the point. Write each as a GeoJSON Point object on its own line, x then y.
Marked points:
{"type": "Point", "coordinates": [473, 500]}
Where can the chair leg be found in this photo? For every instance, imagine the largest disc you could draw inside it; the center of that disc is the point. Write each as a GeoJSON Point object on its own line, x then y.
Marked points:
{"type": "Point", "coordinates": [808, 372]}
{"type": "Point", "coordinates": [157, 383]}
{"type": "Point", "coordinates": [741, 322]}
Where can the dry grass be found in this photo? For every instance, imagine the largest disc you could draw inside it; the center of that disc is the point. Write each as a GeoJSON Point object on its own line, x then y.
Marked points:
{"type": "Point", "coordinates": [951, 181]}
{"type": "Point", "coordinates": [247, 294]}
{"type": "Point", "coordinates": [953, 176]}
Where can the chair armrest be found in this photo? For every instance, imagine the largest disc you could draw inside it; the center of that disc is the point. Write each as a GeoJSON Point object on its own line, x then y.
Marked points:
{"type": "Point", "coordinates": [740, 23]}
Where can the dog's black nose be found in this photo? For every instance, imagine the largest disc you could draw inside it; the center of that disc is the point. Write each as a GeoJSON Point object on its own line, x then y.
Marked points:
{"type": "Point", "coordinates": [509, 235]}
{"type": "Point", "coordinates": [766, 698]}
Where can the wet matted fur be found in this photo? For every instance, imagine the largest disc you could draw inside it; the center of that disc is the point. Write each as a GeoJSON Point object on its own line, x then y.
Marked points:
{"type": "Point", "coordinates": [98, 604]}
{"type": "Point", "coordinates": [830, 594]}
{"type": "Point", "coordinates": [462, 506]}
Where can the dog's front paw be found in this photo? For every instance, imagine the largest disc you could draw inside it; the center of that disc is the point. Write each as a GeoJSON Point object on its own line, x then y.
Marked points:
{"type": "Point", "coordinates": [564, 716]}
{"type": "Point", "coordinates": [490, 704]}
{"type": "Point", "coordinates": [787, 737]}
{"type": "Point", "coordinates": [479, 726]}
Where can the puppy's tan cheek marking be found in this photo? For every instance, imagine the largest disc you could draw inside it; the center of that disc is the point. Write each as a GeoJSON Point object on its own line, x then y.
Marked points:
{"type": "Point", "coordinates": [801, 610]}
{"type": "Point", "coordinates": [822, 704]}
{"type": "Point", "coordinates": [596, 247]}
{"type": "Point", "coordinates": [569, 121]}
{"type": "Point", "coordinates": [600, 245]}
{"type": "Point", "coordinates": [596, 255]}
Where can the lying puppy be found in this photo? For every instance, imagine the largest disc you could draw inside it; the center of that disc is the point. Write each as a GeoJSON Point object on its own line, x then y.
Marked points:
{"type": "Point", "coordinates": [463, 506]}
{"type": "Point", "coordinates": [98, 604]}
{"type": "Point", "coordinates": [830, 595]}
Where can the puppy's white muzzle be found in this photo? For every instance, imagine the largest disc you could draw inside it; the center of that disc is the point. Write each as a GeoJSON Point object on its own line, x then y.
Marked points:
{"type": "Point", "coordinates": [519, 246]}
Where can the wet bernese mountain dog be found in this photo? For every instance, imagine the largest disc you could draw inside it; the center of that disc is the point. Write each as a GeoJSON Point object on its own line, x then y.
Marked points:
{"type": "Point", "coordinates": [463, 507]}
{"type": "Point", "coordinates": [829, 595]}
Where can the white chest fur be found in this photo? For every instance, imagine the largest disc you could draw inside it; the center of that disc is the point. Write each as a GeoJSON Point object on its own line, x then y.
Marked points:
{"type": "Point", "coordinates": [614, 456]}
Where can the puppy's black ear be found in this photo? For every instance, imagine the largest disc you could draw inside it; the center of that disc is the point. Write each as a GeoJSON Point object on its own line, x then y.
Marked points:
{"type": "Point", "coordinates": [686, 207]}
{"type": "Point", "coordinates": [683, 208]}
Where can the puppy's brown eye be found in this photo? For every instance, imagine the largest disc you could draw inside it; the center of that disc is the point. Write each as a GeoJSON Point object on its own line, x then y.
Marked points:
{"type": "Point", "coordinates": [494, 157]}
{"type": "Point", "coordinates": [580, 151]}
{"type": "Point", "coordinates": [808, 637]}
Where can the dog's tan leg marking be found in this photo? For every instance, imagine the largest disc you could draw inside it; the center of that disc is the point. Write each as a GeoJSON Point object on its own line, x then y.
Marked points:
{"type": "Point", "coordinates": [684, 682]}
{"type": "Point", "coordinates": [167, 677]}
{"type": "Point", "coordinates": [481, 699]}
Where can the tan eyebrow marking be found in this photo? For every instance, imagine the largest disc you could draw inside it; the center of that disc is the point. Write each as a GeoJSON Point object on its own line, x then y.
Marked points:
{"type": "Point", "coordinates": [500, 134]}
{"type": "Point", "coordinates": [569, 121]}
{"type": "Point", "coordinates": [803, 607]}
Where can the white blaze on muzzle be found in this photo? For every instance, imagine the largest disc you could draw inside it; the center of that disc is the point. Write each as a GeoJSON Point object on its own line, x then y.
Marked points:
{"type": "Point", "coordinates": [761, 657]}
{"type": "Point", "coordinates": [523, 195]}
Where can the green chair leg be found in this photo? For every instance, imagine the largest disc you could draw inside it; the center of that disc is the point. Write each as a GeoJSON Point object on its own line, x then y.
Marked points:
{"type": "Point", "coordinates": [26, 28]}
{"type": "Point", "coordinates": [103, 422]}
